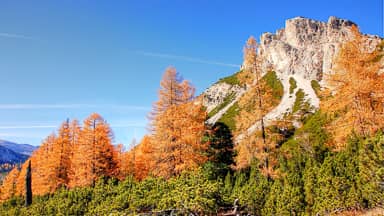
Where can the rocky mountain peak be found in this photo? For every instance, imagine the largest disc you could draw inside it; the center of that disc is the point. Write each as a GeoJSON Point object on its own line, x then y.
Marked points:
{"type": "Point", "coordinates": [304, 50]}
{"type": "Point", "coordinates": [337, 23]}
{"type": "Point", "coordinates": [305, 46]}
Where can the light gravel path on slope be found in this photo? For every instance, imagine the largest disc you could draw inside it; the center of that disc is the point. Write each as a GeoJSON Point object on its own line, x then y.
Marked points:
{"type": "Point", "coordinates": [287, 102]}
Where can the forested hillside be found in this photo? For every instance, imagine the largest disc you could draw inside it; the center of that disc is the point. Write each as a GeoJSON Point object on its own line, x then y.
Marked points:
{"type": "Point", "coordinates": [307, 160]}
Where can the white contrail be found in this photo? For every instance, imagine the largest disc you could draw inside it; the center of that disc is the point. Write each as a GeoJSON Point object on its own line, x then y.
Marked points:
{"type": "Point", "coordinates": [70, 106]}
{"type": "Point", "coordinates": [17, 36]}
{"type": "Point", "coordinates": [38, 106]}
{"type": "Point", "coordinates": [42, 126]}
{"type": "Point", "coordinates": [187, 58]}
{"type": "Point", "coordinates": [22, 135]}
{"type": "Point", "coordinates": [27, 126]}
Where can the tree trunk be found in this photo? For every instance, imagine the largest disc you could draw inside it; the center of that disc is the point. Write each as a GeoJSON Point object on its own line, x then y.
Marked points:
{"type": "Point", "coordinates": [28, 185]}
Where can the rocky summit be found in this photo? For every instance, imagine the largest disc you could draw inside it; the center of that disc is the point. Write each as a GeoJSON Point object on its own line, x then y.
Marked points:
{"type": "Point", "coordinates": [306, 47]}
{"type": "Point", "coordinates": [303, 50]}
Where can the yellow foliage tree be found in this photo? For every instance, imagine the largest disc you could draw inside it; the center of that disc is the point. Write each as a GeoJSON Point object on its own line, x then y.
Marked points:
{"type": "Point", "coordinates": [144, 159]}
{"type": "Point", "coordinates": [254, 147]}
{"type": "Point", "coordinates": [178, 137]}
{"type": "Point", "coordinates": [60, 159]}
{"type": "Point", "coordinates": [250, 62]}
{"type": "Point", "coordinates": [94, 155]}
{"type": "Point", "coordinates": [43, 174]}
{"type": "Point", "coordinates": [8, 188]}
{"type": "Point", "coordinates": [254, 105]}
{"type": "Point", "coordinates": [173, 91]}
{"type": "Point", "coordinates": [355, 103]}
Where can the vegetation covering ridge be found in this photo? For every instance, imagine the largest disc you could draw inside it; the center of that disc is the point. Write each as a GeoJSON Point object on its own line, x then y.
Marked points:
{"type": "Point", "coordinates": [232, 79]}
{"type": "Point", "coordinates": [313, 177]}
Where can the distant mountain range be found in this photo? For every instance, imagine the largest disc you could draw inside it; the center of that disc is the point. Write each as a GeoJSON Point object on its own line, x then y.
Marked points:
{"type": "Point", "coordinates": [12, 153]}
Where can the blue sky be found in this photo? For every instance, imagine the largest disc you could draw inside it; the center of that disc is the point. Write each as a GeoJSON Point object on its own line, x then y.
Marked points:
{"type": "Point", "coordinates": [67, 59]}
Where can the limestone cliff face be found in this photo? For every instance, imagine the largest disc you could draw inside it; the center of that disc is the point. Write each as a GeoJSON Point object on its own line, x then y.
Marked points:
{"type": "Point", "coordinates": [303, 50]}
{"type": "Point", "coordinates": [304, 46]}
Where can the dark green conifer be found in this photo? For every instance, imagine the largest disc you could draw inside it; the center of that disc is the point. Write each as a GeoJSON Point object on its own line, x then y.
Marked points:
{"type": "Point", "coordinates": [28, 185]}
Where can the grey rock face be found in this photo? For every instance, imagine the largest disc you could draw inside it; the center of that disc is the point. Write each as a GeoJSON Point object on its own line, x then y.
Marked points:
{"type": "Point", "coordinates": [304, 46]}
{"type": "Point", "coordinates": [216, 94]}
{"type": "Point", "coordinates": [304, 50]}
{"type": "Point", "coordinates": [307, 47]}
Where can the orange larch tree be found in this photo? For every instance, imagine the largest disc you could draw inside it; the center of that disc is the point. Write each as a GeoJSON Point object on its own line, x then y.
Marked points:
{"type": "Point", "coordinates": [355, 103]}
{"type": "Point", "coordinates": [121, 162]}
{"type": "Point", "coordinates": [75, 130]}
{"type": "Point", "coordinates": [250, 63]}
{"type": "Point", "coordinates": [170, 91]}
{"type": "Point", "coordinates": [173, 91]}
{"type": "Point", "coordinates": [61, 156]}
{"type": "Point", "coordinates": [251, 113]}
{"type": "Point", "coordinates": [145, 158]}
{"type": "Point", "coordinates": [139, 161]}
{"type": "Point", "coordinates": [253, 147]}
{"type": "Point", "coordinates": [8, 188]}
{"type": "Point", "coordinates": [94, 155]}
{"type": "Point", "coordinates": [177, 124]}
{"type": "Point", "coordinates": [178, 136]}
{"type": "Point", "coordinates": [254, 107]}
{"type": "Point", "coordinates": [187, 91]}
{"type": "Point", "coordinates": [43, 175]}
{"type": "Point", "coordinates": [129, 160]}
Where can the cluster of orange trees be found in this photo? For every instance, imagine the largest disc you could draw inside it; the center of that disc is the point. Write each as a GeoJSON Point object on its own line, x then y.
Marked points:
{"type": "Point", "coordinates": [76, 156]}
{"type": "Point", "coordinates": [177, 129]}
{"type": "Point", "coordinates": [80, 154]}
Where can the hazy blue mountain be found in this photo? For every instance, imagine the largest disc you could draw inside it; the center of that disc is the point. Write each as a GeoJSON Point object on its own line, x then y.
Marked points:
{"type": "Point", "coordinates": [13, 153]}
{"type": "Point", "coordinates": [9, 156]}
{"type": "Point", "coordinates": [24, 149]}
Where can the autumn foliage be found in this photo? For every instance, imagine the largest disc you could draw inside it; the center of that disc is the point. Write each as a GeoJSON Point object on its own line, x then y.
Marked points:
{"type": "Point", "coordinates": [8, 189]}
{"type": "Point", "coordinates": [76, 156]}
{"type": "Point", "coordinates": [94, 155]}
{"type": "Point", "coordinates": [250, 62]}
{"type": "Point", "coordinates": [177, 128]}
{"type": "Point", "coordinates": [254, 105]}
{"type": "Point", "coordinates": [179, 125]}
{"type": "Point", "coordinates": [271, 168]}
{"type": "Point", "coordinates": [179, 132]}
{"type": "Point", "coordinates": [355, 100]}
{"type": "Point", "coordinates": [173, 91]}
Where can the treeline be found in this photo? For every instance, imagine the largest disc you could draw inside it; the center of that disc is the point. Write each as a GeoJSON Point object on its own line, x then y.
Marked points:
{"type": "Point", "coordinates": [315, 180]}
{"type": "Point", "coordinates": [78, 155]}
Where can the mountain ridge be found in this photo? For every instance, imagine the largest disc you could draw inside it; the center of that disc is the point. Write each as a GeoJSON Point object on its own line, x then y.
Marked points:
{"type": "Point", "coordinates": [11, 157]}
{"type": "Point", "coordinates": [14, 153]}
{"type": "Point", "coordinates": [304, 50]}
{"type": "Point", "coordinates": [20, 148]}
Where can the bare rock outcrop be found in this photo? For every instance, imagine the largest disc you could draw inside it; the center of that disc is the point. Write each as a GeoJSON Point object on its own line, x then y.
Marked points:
{"type": "Point", "coordinates": [304, 50]}
{"type": "Point", "coordinates": [216, 94]}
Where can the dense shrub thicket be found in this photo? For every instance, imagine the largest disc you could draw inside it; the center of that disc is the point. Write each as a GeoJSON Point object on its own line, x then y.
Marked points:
{"type": "Point", "coordinates": [312, 180]}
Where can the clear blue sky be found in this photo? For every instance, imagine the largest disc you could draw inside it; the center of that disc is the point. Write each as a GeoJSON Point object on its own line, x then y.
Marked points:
{"type": "Point", "coordinates": [61, 59]}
